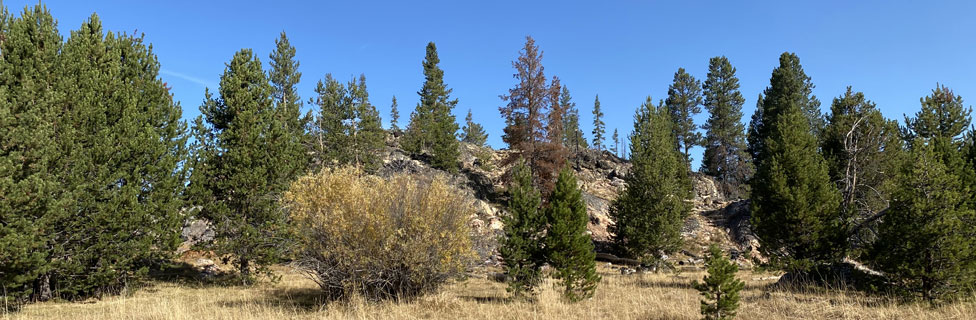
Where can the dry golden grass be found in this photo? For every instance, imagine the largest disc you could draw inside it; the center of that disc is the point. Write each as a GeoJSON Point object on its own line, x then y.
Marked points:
{"type": "Point", "coordinates": [651, 296]}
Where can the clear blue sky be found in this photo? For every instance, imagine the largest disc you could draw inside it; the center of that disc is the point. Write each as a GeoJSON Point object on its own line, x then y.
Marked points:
{"type": "Point", "coordinates": [893, 51]}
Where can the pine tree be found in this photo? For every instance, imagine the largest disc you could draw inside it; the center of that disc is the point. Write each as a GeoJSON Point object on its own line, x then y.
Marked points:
{"type": "Point", "coordinates": [523, 230]}
{"type": "Point", "coordinates": [125, 133]}
{"type": "Point", "coordinates": [432, 126]}
{"type": "Point", "coordinates": [684, 101]}
{"type": "Point", "coordinates": [941, 121]}
{"type": "Point", "coordinates": [284, 77]}
{"type": "Point", "coordinates": [570, 249]}
{"type": "Point", "coordinates": [365, 127]}
{"type": "Point", "coordinates": [862, 150]}
{"type": "Point", "coordinates": [616, 143]}
{"type": "Point", "coordinates": [472, 132]}
{"type": "Point", "coordinates": [925, 241]}
{"type": "Point", "coordinates": [720, 289]}
{"type": "Point", "coordinates": [725, 155]}
{"type": "Point", "coordinates": [598, 125]}
{"type": "Point", "coordinates": [793, 88]}
{"type": "Point", "coordinates": [394, 116]}
{"type": "Point", "coordinates": [794, 206]}
{"type": "Point", "coordinates": [238, 176]}
{"type": "Point", "coordinates": [534, 118]}
{"type": "Point", "coordinates": [649, 213]}
{"type": "Point", "coordinates": [29, 153]}
{"type": "Point", "coordinates": [331, 141]}
{"type": "Point", "coordinates": [572, 134]}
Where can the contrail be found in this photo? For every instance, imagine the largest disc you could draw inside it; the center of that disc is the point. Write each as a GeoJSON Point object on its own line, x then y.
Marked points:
{"type": "Point", "coordinates": [201, 82]}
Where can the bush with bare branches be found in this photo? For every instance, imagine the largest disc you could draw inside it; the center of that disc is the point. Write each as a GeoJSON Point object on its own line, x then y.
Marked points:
{"type": "Point", "coordinates": [380, 238]}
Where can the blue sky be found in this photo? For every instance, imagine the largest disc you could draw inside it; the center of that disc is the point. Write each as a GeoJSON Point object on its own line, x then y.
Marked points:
{"type": "Point", "coordinates": [893, 51]}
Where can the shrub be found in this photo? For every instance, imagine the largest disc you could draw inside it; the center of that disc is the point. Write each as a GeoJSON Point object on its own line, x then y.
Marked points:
{"type": "Point", "coordinates": [720, 289]}
{"type": "Point", "coordinates": [397, 237]}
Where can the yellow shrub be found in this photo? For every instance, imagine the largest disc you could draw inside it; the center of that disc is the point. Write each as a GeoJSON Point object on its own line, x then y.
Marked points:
{"type": "Point", "coordinates": [382, 238]}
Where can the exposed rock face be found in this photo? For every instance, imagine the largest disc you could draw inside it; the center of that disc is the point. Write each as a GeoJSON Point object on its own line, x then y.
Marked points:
{"type": "Point", "coordinates": [600, 175]}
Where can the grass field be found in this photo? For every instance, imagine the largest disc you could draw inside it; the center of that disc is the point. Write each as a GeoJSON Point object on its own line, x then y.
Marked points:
{"type": "Point", "coordinates": [649, 296]}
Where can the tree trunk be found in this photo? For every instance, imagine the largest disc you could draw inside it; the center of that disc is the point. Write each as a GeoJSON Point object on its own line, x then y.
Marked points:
{"type": "Point", "coordinates": [42, 288]}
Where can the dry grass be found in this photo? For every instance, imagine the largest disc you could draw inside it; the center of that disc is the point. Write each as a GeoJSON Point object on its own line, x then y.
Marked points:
{"type": "Point", "coordinates": [650, 296]}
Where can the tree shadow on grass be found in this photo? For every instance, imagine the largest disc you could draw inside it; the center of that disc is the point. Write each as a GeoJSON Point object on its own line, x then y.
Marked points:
{"type": "Point", "coordinates": [302, 299]}
{"type": "Point", "coordinates": [486, 299]}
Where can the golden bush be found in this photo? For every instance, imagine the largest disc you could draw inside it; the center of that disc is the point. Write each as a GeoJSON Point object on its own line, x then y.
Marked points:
{"type": "Point", "coordinates": [379, 237]}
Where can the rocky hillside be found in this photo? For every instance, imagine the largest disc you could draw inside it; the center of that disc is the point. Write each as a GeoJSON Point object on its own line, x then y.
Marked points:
{"type": "Point", "coordinates": [714, 218]}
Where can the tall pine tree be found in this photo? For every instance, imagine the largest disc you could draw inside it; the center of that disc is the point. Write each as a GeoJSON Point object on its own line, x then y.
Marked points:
{"type": "Point", "coordinates": [569, 247]}
{"type": "Point", "coordinates": [284, 77]}
{"type": "Point", "coordinates": [863, 151]}
{"type": "Point", "coordinates": [29, 153]}
{"type": "Point", "coordinates": [238, 176]}
{"type": "Point", "coordinates": [524, 227]}
{"type": "Point", "coordinates": [684, 102]}
{"type": "Point", "coordinates": [649, 213]}
{"type": "Point", "coordinates": [599, 128]}
{"type": "Point", "coordinates": [394, 115]}
{"type": "Point", "coordinates": [572, 134]}
{"type": "Point", "coordinates": [794, 88]}
{"type": "Point", "coordinates": [432, 126]}
{"type": "Point", "coordinates": [534, 118]}
{"type": "Point", "coordinates": [725, 156]}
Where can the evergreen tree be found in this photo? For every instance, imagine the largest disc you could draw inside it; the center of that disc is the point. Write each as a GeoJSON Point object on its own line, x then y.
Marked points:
{"type": "Point", "coordinates": [725, 156]}
{"type": "Point", "coordinates": [616, 143]}
{"type": "Point", "coordinates": [127, 134]}
{"type": "Point", "coordinates": [863, 150]}
{"type": "Point", "coordinates": [720, 289]}
{"type": "Point", "coordinates": [794, 205]}
{"type": "Point", "coordinates": [941, 121]}
{"type": "Point", "coordinates": [925, 242]}
{"type": "Point", "coordinates": [284, 77]}
{"type": "Point", "coordinates": [684, 101]}
{"type": "Point", "coordinates": [394, 116]}
{"type": "Point", "coordinates": [793, 88]}
{"type": "Point", "coordinates": [598, 126]}
{"type": "Point", "coordinates": [472, 132]}
{"type": "Point", "coordinates": [572, 134]}
{"type": "Point", "coordinates": [29, 154]}
{"type": "Point", "coordinates": [348, 130]}
{"type": "Point", "coordinates": [432, 126]}
{"type": "Point", "coordinates": [238, 176]}
{"type": "Point", "coordinates": [523, 230]}
{"type": "Point", "coordinates": [649, 213]}
{"type": "Point", "coordinates": [534, 118]}
{"type": "Point", "coordinates": [570, 248]}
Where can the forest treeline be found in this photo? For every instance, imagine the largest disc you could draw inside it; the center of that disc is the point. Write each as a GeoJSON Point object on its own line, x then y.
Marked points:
{"type": "Point", "coordinates": [97, 169]}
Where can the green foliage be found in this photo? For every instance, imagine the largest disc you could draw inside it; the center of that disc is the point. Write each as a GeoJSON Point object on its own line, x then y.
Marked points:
{"type": "Point", "coordinates": [720, 289]}
{"type": "Point", "coordinates": [649, 213]}
{"type": "Point", "coordinates": [599, 128]}
{"type": "Point", "coordinates": [789, 87]}
{"type": "Point", "coordinates": [284, 77]}
{"type": "Point", "coordinates": [348, 130]}
{"type": "Point", "coordinates": [684, 102]}
{"type": "Point", "coordinates": [238, 173]}
{"type": "Point", "coordinates": [942, 121]}
{"type": "Point", "coordinates": [29, 154]}
{"type": "Point", "coordinates": [432, 126]}
{"type": "Point", "coordinates": [472, 132]}
{"type": "Point", "coordinates": [725, 156]}
{"type": "Point", "coordinates": [91, 153]}
{"type": "Point", "coordinates": [572, 134]}
{"type": "Point", "coordinates": [926, 240]}
{"type": "Point", "coordinates": [523, 227]}
{"type": "Point", "coordinates": [411, 238]}
{"type": "Point", "coordinates": [394, 115]}
{"type": "Point", "coordinates": [794, 206]}
{"type": "Point", "coordinates": [616, 143]}
{"type": "Point", "coordinates": [570, 249]}
{"type": "Point", "coordinates": [863, 151]}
